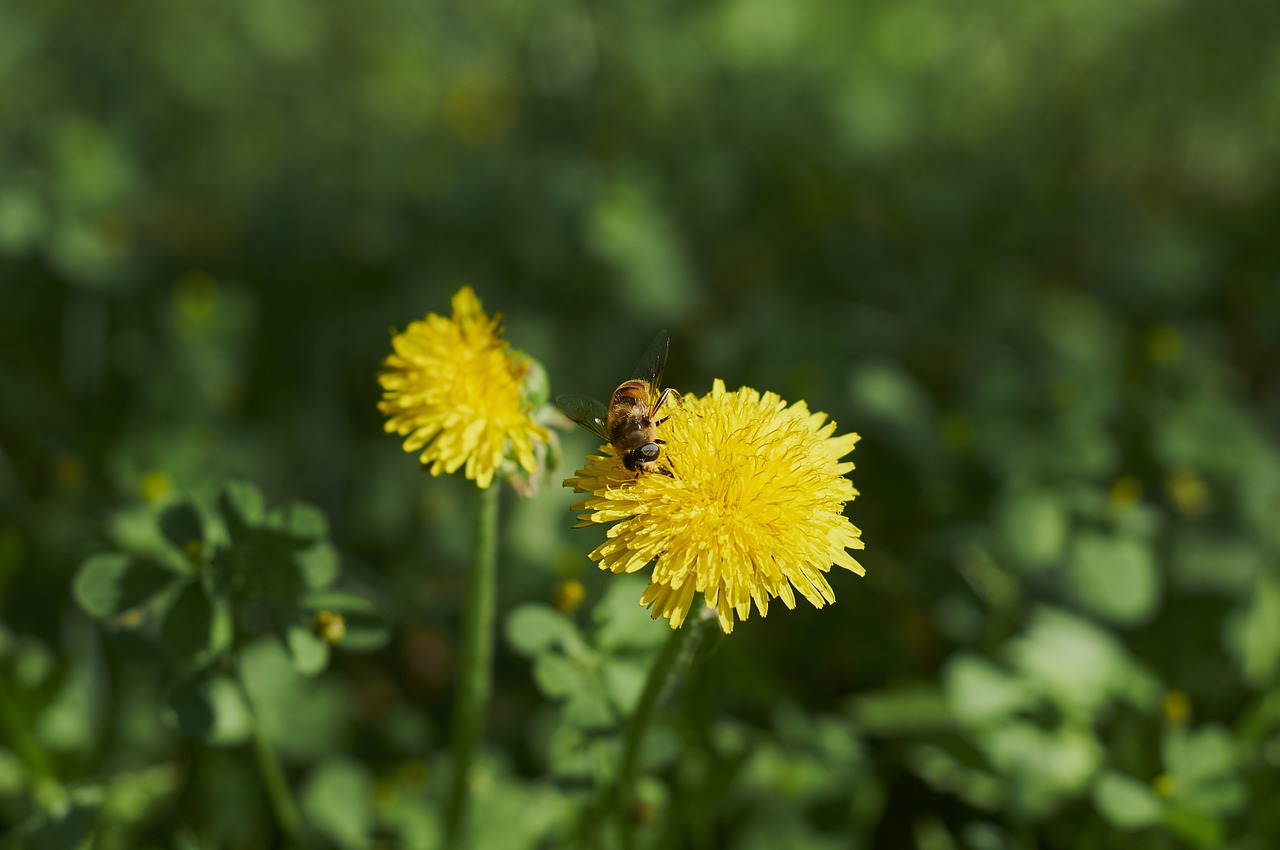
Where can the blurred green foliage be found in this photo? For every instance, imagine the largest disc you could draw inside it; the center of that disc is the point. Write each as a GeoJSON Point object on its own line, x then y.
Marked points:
{"type": "Point", "coordinates": [1026, 250]}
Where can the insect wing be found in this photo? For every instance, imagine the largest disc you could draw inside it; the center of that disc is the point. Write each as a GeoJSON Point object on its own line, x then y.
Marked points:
{"type": "Point", "coordinates": [652, 363]}
{"type": "Point", "coordinates": [588, 412]}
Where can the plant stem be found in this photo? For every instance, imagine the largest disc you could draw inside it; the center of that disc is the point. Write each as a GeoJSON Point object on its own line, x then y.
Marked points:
{"type": "Point", "coordinates": [273, 776]}
{"type": "Point", "coordinates": [471, 705]}
{"type": "Point", "coordinates": [678, 648]}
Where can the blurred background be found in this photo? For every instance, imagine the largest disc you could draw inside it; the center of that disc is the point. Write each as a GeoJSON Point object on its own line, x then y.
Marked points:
{"type": "Point", "coordinates": [1027, 251]}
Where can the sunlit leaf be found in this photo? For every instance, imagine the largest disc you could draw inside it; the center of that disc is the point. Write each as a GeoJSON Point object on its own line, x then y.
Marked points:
{"type": "Point", "coordinates": [72, 721]}
{"type": "Point", "coordinates": [319, 564]}
{"type": "Point", "coordinates": [309, 653]}
{"type": "Point", "coordinates": [300, 520]}
{"type": "Point", "coordinates": [905, 712]}
{"type": "Point", "coordinates": [1043, 767]}
{"type": "Point", "coordinates": [1079, 666]}
{"type": "Point", "coordinates": [212, 709]}
{"type": "Point", "coordinates": [242, 507]}
{"type": "Point", "coordinates": [624, 681]}
{"type": "Point", "coordinates": [946, 773]}
{"type": "Point", "coordinates": [1114, 577]}
{"type": "Point", "coordinates": [979, 693]}
{"type": "Point", "coordinates": [1033, 525]}
{"type": "Point", "coordinates": [108, 585]}
{"type": "Point", "coordinates": [304, 717]}
{"type": "Point", "coordinates": [621, 623]}
{"type": "Point", "coordinates": [518, 815]}
{"type": "Point", "coordinates": [13, 774]}
{"type": "Point", "coordinates": [1204, 769]}
{"type": "Point", "coordinates": [337, 798]}
{"type": "Point", "coordinates": [1256, 642]}
{"type": "Point", "coordinates": [136, 794]}
{"type": "Point", "coordinates": [556, 675]}
{"type": "Point", "coordinates": [534, 628]}
{"type": "Point", "coordinates": [1125, 802]}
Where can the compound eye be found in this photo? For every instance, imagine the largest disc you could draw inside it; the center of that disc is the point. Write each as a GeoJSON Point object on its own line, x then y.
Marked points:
{"type": "Point", "coordinates": [650, 451]}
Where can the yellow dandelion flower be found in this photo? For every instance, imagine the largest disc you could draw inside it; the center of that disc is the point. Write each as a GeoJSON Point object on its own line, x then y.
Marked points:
{"type": "Point", "coordinates": [753, 509]}
{"type": "Point", "coordinates": [454, 390]}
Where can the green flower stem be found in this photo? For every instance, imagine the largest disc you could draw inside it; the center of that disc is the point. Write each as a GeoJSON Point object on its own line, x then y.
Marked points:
{"type": "Point", "coordinates": [672, 658]}
{"type": "Point", "coordinates": [273, 777]}
{"type": "Point", "coordinates": [471, 705]}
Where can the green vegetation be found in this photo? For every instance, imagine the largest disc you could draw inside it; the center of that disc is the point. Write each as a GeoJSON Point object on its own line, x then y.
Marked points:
{"type": "Point", "coordinates": [1027, 250]}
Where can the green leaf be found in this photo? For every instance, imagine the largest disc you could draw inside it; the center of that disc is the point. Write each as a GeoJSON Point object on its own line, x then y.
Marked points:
{"type": "Point", "coordinates": [281, 553]}
{"type": "Point", "coordinates": [945, 772]}
{"type": "Point", "coordinates": [33, 663]}
{"type": "Point", "coordinates": [1033, 525]}
{"type": "Point", "coordinates": [268, 559]}
{"type": "Point", "coordinates": [196, 627]}
{"type": "Point", "coordinates": [557, 676]}
{"type": "Point", "coordinates": [212, 709]}
{"type": "Point", "coordinates": [1222, 564]}
{"type": "Point", "coordinates": [1079, 666]}
{"type": "Point", "coordinates": [1257, 637]}
{"type": "Point", "coordinates": [136, 794]}
{"type": "Point", "coordinates": [902, 712]}
{"type": "Point", "coordinates": [518, 815]}
{"type": "Point", "coordinates": [1115, 578]}
{"type": "Point", "coordinates": [67, 828]}
{"type": "Point", "coordinates": [337, 798]}
{"type": "Point", "coordinates": [979, 693]}
{"type": "Point", "coordinates": [242, 507]}
{"type": "Point", "coordinates": [534, 628]}
{"type": "Point", "coordinates": [71, 722]}
{"type": "Point", "coordinates": [624, 680]}
{"type": "Point", "coordinates": [580, 752]}
{"type": "Point", "coordinates": [1126, 803]}
{"type": "Point", "coordinates": [319, 565]}
{"type": "Point", "coordinates": [14, 777]}
{"type": "Point", "coordinates": [622, 624]}
{"type": "Point", "coordinates": [886, 391]}
{"type": "Point", "coordinates": [1043, 768]}
{"type": "Point", "coordinates": [308, 652]}
{"type": "Point", "coordinates": [108, 585]}
{"type": "Point", "coordinates": [182, 525]}
{"type": "Point", "coordinates": [1195, 826]}
{"type": "Point", "coordinates": [300, 520]}
{"type": "Point", "coordinates": [1204, 767]}
{"type": "Point", "coordinates": [589, 707]}
{"type": "Point", "coordinates": [304, 717]}
{"type": "Point", "coordinates": [365, 626]}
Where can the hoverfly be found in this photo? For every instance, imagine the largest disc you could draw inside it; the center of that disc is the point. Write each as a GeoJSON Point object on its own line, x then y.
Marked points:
{"type": "Point", "coordinates": [630, 422]}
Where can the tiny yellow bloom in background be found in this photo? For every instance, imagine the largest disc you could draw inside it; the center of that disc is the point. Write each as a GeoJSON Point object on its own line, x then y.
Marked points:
{"type": "Point", "coordinates": [568, 595]}
{"type": "Point", "coordinates": [156, 487]}
{"type": "Point", "coordinates": [753, 509]}
{"type": "Point", "coordinates": [1164, 344]}
{"type": "Point", "coordinates": [1126, 491]}
{"type": "Point", "coordinates": [1177, 709]}
{"type": "Point", "coordinates": [1188, 491]}
{"type": "Point", "coordinates": [454, 390]}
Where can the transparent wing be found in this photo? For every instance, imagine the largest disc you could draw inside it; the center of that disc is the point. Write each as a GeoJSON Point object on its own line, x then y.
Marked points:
{"type": "Point", "coordinates": [653, 362]}
{"type": "Point", "coordinates": [588, 412]}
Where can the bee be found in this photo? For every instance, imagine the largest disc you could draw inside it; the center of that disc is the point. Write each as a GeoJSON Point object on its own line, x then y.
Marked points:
{"type": "Point", "coordinates": [630, 422]}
